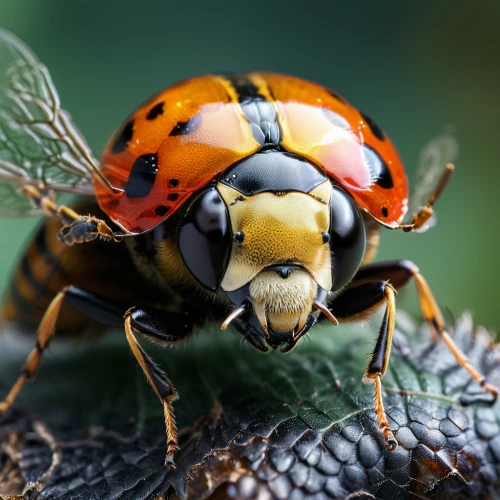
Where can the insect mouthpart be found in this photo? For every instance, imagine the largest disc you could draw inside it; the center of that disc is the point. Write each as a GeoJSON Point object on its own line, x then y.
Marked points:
{"type": "Point", "coordinates": [321, 307]}
{"type": "Point", "coordinates": [281, 298]}
{"type": "Point", "coordinates": [239, 311]}
{"type": "Point", "coordinates": [282, 303]}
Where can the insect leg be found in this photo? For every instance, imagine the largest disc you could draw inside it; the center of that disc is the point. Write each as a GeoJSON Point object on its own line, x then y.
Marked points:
{"type": "Point", "coordinates": [154, 324]}
{"type": "Point", "coordinates": [97, 307]}
{"type": "Point", "coordinates": [77, 228]}
{"type": "Point", "coordinates": [360, 299]}
{"type": "Point", "coordinates": [165, 328]}
{"type": "Point", "coordinates": [425, 213]}
{"type": "Point", "coordinates": [400, 273]}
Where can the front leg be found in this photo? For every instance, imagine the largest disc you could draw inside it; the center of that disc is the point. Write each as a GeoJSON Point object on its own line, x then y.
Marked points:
{"type": "Point", "coordinates": [400, 272]}
{"type": "Point", "coordinates": [166, 328]}
{"type": "Point", "coordinates": [155, 324]}
{"type": "Point", "coordinates": [358, 300]}
{"type": "Point", "coordinates": [371, 287]}
{"type": "Point", "coordinates": [76, 228]}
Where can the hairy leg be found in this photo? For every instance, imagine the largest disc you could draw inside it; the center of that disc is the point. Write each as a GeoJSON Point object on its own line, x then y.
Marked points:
{"type": "Point", "coordinates": [154, 324]}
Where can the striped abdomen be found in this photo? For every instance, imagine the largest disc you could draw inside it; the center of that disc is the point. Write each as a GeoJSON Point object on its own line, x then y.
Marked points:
{"type": "Point", "coordinates": [48, 265]}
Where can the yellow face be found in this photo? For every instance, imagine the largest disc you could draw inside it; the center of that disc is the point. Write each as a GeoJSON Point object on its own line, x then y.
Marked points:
{"type": "Point", "coordinates": [279, 228]}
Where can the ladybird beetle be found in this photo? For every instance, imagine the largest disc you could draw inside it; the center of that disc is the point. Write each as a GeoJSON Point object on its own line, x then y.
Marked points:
{"type": "Point", "coordinates": [253, 199]}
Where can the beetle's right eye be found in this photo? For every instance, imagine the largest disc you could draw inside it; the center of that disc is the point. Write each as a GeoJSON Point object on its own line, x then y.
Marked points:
{"type": "Point", "coordinates": [205, 238]}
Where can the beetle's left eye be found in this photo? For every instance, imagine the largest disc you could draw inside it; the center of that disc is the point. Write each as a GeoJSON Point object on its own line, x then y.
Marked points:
{"type": "Point", "coordinates": [204, 238]}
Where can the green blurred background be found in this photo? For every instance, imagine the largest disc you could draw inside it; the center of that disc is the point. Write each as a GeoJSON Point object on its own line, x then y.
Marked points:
{"type": "Point", "coordinates": [415, 70]}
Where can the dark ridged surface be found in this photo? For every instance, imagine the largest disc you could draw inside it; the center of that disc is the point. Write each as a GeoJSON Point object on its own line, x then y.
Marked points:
{"type": "Point", "coordinates": [299, 436]}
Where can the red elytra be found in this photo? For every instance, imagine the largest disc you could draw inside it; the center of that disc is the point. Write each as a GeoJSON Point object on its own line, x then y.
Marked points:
{"type": "Point", "coordinates": [195, 130]}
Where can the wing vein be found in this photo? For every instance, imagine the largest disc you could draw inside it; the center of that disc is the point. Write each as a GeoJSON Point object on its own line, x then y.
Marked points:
{"type": "Point", "coordinates": [39, 143]}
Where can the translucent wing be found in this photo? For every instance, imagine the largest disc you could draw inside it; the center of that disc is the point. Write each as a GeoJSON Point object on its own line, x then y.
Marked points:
{"type": "Point", "coordinates": [433, 159]}
{"type": "Point", "coordinates": [38, 141]}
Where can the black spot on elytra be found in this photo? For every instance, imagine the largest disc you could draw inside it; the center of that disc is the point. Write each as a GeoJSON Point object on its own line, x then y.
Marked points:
{"type": "Point", "coordinates": [385, 212]}
{"type": "Point", "coordinates": [155, 111]}
{"type": "Point", "coordinates": [173, 196]}
{"type": "Point", "coordinates": [124, 137]}
{"type": "Point", "coordinates": [184, 128]}
{"type": "Point", "coordinates": [161, 210]}
{"type": "Point", "coordinates": [173, 182]}
{"type": "Point", "coordinates": [376, 130]}
{"type": "Point", "coordinates": [378, 168]}
{"type": "Point", "coordinates": [142, 176]}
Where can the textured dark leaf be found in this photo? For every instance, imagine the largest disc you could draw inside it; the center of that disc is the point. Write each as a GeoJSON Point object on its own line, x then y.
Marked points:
{"type": "Point", "coordinates": [254, 426]}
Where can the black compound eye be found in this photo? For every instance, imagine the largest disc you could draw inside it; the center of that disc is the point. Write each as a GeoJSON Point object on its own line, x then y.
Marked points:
{"type": "Point", "coordinates": [347, 237]}
{"type": "Point", "coordinates": [205, 238]}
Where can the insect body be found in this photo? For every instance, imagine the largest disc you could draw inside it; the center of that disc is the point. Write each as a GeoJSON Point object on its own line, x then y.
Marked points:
{"type": "Point", "coordinates": [262, 192]}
